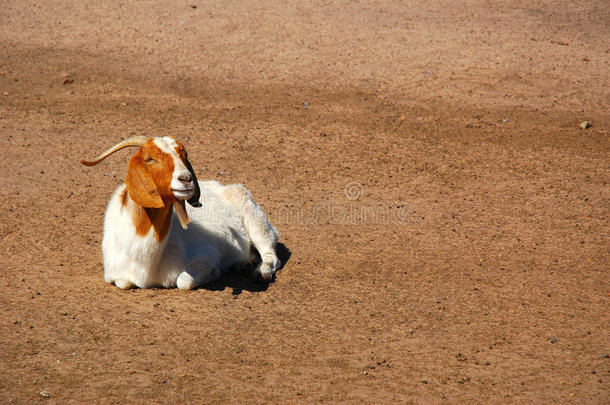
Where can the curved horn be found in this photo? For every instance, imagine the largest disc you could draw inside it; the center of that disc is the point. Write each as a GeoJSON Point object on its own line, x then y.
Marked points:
{"type": "Point", "coordinates": [133, 141]}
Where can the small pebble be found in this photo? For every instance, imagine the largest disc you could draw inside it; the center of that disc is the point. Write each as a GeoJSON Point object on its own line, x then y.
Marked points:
{"type": "Point", "coordinates": [553, 339]}
{"type": "Point", "coordinates": [585, 124]}
{"type": "Point", "coordinates": [45, 394]}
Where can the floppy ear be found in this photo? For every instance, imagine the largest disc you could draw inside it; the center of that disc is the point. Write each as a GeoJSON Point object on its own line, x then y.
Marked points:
{"type": "Point", "coordinates": [194, 200]}
{"type": "Point", "coordinates": [140, 185]}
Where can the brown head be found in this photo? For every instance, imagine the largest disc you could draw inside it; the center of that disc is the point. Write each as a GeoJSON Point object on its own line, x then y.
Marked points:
{"type": "Point", "coordinates": [159, 174]}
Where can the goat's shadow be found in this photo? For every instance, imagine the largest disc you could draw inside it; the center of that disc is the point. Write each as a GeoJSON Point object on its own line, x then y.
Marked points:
{"type": "Point", "coordinates": [240, 279]}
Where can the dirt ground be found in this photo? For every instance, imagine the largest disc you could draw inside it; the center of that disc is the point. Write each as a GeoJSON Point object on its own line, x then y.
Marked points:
{"type": "Point", "coordinates": [444, 219]}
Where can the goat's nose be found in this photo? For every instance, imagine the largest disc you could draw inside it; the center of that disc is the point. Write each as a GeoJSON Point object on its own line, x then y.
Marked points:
{"type": "Point", "coordinates": [185, 178]}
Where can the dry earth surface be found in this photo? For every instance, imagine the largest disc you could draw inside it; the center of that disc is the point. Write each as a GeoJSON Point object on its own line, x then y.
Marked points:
{"type": "Point", "coordinates": [443, 218]}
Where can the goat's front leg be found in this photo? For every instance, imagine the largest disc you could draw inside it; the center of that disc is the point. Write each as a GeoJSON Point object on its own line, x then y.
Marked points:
{"type": "Point", "coordinates": [200, 271]}
{"type": "Point", "coordinates": [262, 234]}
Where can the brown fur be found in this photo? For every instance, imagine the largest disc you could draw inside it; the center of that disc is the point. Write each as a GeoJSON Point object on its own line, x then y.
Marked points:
{"type": "Point", "coordinates": [157, 218]}
{"type": "Point", "coordinates": [161, 170]}
{"type": "Point", "coordinates": [148, 182]}
{"type": "Point", "coordinates": [124, 197]}
{"type": "Point", "coordinates": [141, 185]}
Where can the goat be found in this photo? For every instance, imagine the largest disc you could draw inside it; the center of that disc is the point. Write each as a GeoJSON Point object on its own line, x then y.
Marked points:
{"type": "Point", "coordinates": [144, 246]}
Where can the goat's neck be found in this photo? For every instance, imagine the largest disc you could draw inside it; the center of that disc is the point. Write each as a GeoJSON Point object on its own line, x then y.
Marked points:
{"type": "Point", "coordinates": [159, 219]}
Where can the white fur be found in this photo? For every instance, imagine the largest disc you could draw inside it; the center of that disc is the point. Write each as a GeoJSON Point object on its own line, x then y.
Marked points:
{"type": "Point", "coordinates": [219, 236]}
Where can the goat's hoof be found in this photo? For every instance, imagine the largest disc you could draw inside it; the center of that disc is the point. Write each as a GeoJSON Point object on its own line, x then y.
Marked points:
{"type": "Point", "coordinates": [263, 276]}
{"type": "Point", "coordinates": [266, 270]}
{"type": "Point", "coordinates": [124, 284]}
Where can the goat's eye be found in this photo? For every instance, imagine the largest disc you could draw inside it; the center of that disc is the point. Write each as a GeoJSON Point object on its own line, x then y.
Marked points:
{"type": "Point", "coordinates": [150, 160]}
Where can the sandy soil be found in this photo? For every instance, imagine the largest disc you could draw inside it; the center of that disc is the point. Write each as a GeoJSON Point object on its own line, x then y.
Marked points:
{"type": "Point", "coordinates": [443, 218]}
